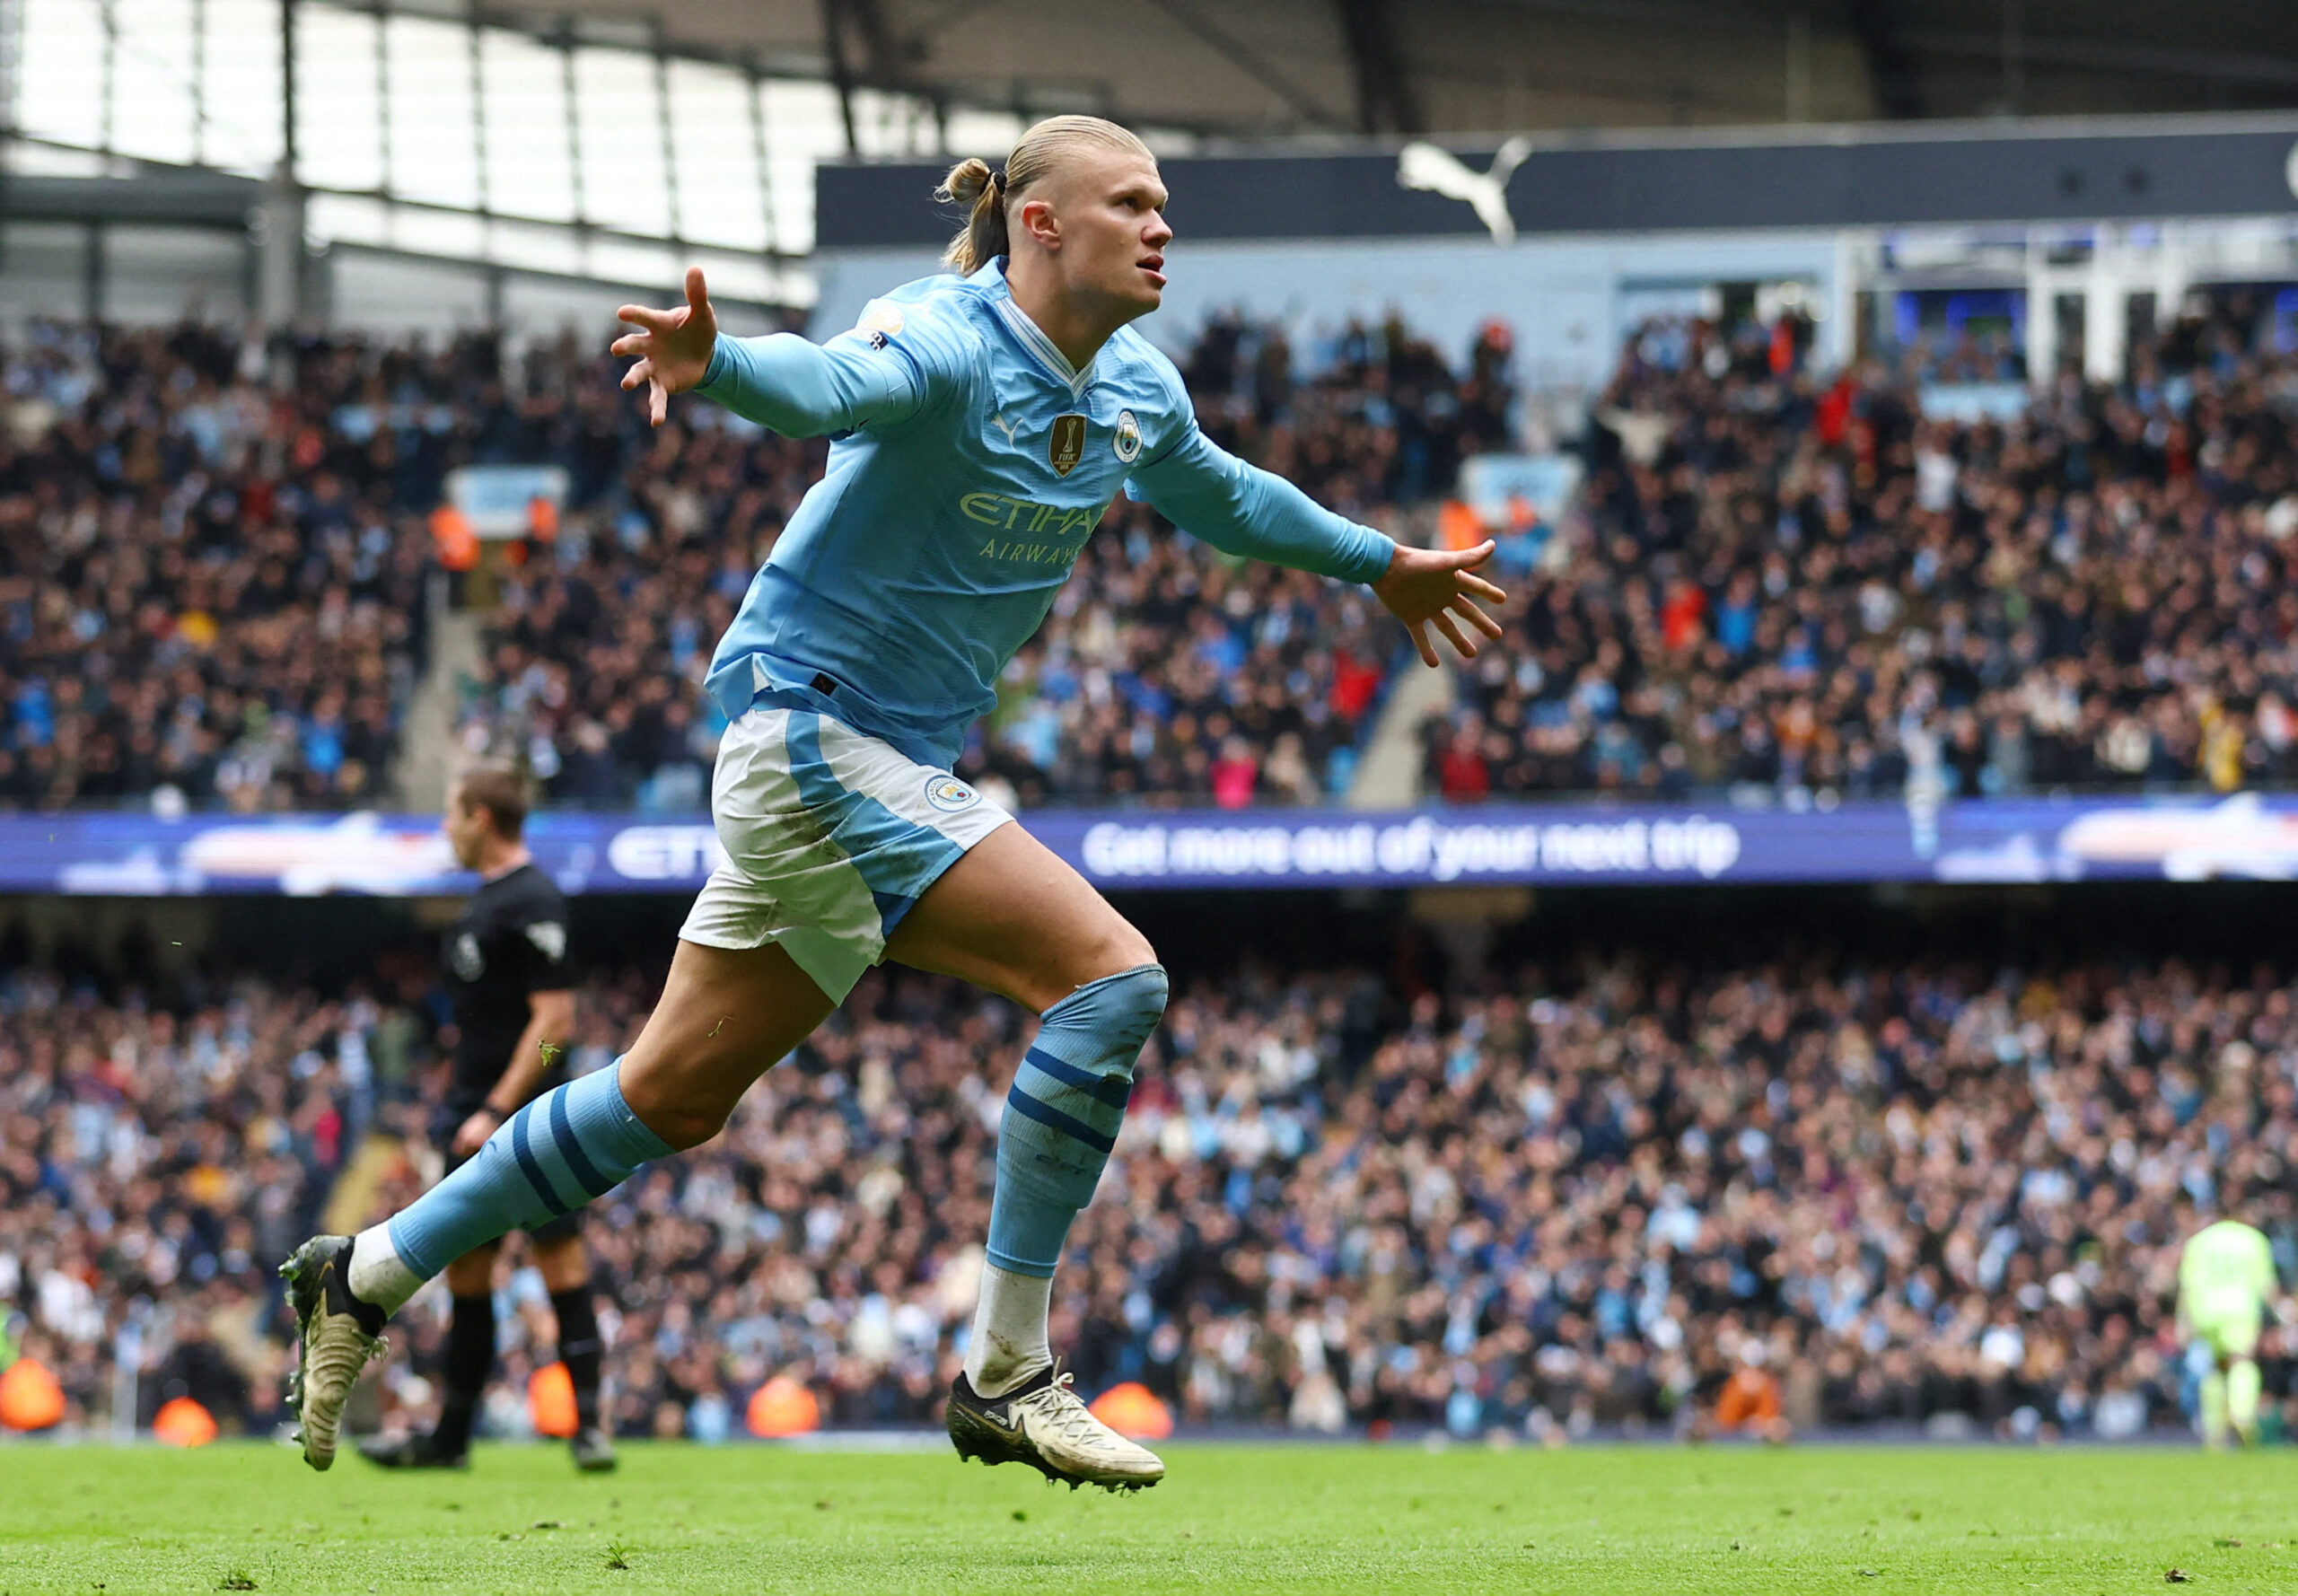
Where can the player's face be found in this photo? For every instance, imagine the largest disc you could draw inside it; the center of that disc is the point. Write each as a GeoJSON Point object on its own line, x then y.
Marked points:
{"type": "Point", "coordinates": [1111, 209]}
{"type": "Point", "coordinates": [465, 824]}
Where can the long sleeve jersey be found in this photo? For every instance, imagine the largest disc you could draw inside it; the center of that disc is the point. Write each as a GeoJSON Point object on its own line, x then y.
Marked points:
{"type": "Point", "coordinates": [969, 462]}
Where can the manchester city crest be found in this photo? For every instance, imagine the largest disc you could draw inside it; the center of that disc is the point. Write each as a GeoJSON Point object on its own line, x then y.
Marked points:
{"type": "Point", "coordinates": [1065, 444]}
{"type": "Point", "coordinates": [1127, 442]}
{"type": "Point", "coordinates": [949, 794]}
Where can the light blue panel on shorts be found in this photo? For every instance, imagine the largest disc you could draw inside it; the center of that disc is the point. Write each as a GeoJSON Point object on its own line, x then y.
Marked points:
{"type": "Point", "coordinates": [897, 858]}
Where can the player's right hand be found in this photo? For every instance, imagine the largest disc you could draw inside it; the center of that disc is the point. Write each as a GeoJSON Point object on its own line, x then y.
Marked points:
{"type": "Point", "coordinates": [673, 351]}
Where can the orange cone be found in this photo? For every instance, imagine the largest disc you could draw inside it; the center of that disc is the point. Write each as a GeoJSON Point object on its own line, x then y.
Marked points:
{"type": "Point", "coordinates": [1133, 1410]}
{"type": "Point", "coordinates": [782, 1407]}
{"type": "Point", "coordinates": [182, 1422]}
{"type": "Point", "coordinates": [550, 1400]}
{"type": "Point", "coordinates": [30, 1397]}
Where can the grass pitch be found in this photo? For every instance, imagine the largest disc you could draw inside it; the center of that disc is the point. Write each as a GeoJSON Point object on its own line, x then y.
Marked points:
{"type": "Point", "coordinates": [92, 1520]}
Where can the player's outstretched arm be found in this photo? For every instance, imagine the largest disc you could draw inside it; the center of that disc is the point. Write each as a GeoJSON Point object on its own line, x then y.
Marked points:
{"type": "Point", "coordinates": [1244, 510]}
{"type": "Point", "coordinates": [801, 389]}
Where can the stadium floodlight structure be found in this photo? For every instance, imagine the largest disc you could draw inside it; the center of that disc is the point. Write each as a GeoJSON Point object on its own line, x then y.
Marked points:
{"type": "Point", "coordinates": [543, 151]}
{"type": "Point", "coordinates": [579, 150]}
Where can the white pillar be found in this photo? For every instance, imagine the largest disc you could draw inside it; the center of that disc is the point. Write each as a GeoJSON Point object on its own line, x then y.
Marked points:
{"type": "Point", "coordinates": [280, 281]}
{"type": "Point", "coordinates": [2106, 322]}
{"type": "Point", "coordinates": [2042, 317]}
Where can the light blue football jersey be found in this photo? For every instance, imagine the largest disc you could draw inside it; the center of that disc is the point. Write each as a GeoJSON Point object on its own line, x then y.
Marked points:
{"type": "Point", "coordinates": [970, 461]}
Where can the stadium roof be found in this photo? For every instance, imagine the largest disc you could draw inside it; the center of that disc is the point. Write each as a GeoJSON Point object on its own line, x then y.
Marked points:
{"type": "Point", "coordinates": [1358, 66]}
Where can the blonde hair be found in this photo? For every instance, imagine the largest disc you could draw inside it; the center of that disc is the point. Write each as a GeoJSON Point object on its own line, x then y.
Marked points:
{"type": "Point", "coordinates": [1038, 155]}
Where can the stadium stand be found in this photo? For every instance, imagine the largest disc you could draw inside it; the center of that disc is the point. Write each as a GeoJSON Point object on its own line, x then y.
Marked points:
{"type": "Point", "coordinates": [1781, 585]}
{"type": "Point", "coordinates": [155, 1164]}
{"type": "Point", "coordinates": [1581, 1196]}
{"type": "Point", "coordinates": [215, 584]}
{"type": "Point", "coordinates": [210, 582]}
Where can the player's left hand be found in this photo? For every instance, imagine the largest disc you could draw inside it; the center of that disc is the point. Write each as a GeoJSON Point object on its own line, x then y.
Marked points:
{"type": "Point", "coordinates": [1428, 588]}
{"type": "Point", "coordinates": [472, 1134]}
{"type": "Point", "coordinates": [673, 350]}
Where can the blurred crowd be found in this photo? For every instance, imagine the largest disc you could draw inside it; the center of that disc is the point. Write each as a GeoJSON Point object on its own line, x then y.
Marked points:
{"type": "Point", "coordinates": [1584, 1197]}
{"type": "Point", "coordinates": [1782, 581]}
{"type": "Point", "coordinates": [214, 570]}
{"type": "Point", "coordinates": [156, 1164]}
{"type": "Point", "coordinates": [1907, 1193]}
{"type": "Point", "coordinates": [212, 562]}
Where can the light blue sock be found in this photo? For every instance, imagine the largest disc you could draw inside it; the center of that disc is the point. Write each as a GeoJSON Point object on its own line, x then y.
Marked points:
{"type": "Point", "coordinates": [1063, 1113]}
{"type": "Point", "coordinates": [569, 1145]}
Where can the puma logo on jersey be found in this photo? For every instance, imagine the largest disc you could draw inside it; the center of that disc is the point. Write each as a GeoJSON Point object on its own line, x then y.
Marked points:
{"type": "Point", "coordinates": [1437, 170]}
{"type": "Point", "coordinates": [1004, 426]}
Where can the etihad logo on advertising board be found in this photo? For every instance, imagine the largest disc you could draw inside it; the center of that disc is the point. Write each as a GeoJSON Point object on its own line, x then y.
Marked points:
{"type": "Point", "coordinates": [1065, 446]}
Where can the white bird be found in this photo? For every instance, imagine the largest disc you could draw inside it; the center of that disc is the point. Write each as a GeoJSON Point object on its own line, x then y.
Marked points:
{"type": "Point", "coordinates": [1438, 170]}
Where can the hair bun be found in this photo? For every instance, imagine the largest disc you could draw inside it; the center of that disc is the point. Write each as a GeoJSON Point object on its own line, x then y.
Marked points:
{"type": "Point", "coordinates": [968, 181]}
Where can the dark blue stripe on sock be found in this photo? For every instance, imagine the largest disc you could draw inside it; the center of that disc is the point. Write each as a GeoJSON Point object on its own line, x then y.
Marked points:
{"type": "Point", "coordinates": [529, 1167]}
{"type": "Point", "coordinates": [586, 1174]}
{"type": "Point", "coordinates": [1112, 1090]}
{"type": "Point", "coordinates": [1054, 1120]}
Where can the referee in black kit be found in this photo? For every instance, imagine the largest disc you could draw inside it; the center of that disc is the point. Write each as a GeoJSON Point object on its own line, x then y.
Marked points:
{"type": "Point", "coordinates": [506, 966]}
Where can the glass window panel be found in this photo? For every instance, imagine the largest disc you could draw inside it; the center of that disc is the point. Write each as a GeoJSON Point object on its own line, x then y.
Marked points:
{"type": "Point", "coordinates": [802, 127]}
{"type": "Point", "coordinates": [546, 306]}
{"type": "Point", "coordinates": [426, 232]}
{"type": "Point", "coordinates": [530, 170]}
{"type": "Point", "coordinates": [623, 182]}
{"type": "Point", "coordinates": [735, 277]}
{"type": "Point", "coordinates": [435, 142]}
{"type": "Point", "coordinates": [48, 270]}
{"type": "Point", "coordinates": [339, 114]}
{"type": "Point", "coordinates": [988, 134]}
{"type": "Point", "coordinates": [152, 111]}
{"type": "Point", "coordinates": [537, 249]}
{"type": "Point", "coordinates": [1168, 143]}
{"type": "Point", "coordinates": [653, 273]}
{"type": "Point", "coordinates": [392, 296]}
{"type": "Point", "coordinates": [243, 75]}
{"type": "Point", "coordinates": [894, 124]}
{"type": "Point", "coordinates": [719, 198]}
{"type": "Point", "coordinates": [60, 85]}
{"type": "Point", "coordinates": [164, 274]}
{"type": "Point", "coordinates": [341, 219]}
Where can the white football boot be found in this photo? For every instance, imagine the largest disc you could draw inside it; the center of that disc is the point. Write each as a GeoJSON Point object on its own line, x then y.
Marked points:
{"type": "Point", "coordinates": [1041, 1423]}
{"type": "Point", "coordinates": [336, 1335]}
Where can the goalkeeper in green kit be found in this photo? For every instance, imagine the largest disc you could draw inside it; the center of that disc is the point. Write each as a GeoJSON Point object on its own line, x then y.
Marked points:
{"type": "Point", "coordinates": [2226, 1285]}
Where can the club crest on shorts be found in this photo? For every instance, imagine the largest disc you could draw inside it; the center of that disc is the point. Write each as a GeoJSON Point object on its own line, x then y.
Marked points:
{"type": "Point", "coordinates": [1065, 446]}
{"type": "Point", "coordinates": [1127, 442]}
{"type": "Point", "coordinates": [949, 794]}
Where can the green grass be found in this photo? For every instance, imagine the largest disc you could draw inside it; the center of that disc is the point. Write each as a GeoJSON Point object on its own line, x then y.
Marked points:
{"type": "Point", "coordinates": [89, 1519]}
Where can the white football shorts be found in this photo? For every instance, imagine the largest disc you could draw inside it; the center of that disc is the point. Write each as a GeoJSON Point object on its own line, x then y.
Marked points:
{"type": "Point", "coordinates": [831, 837]}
